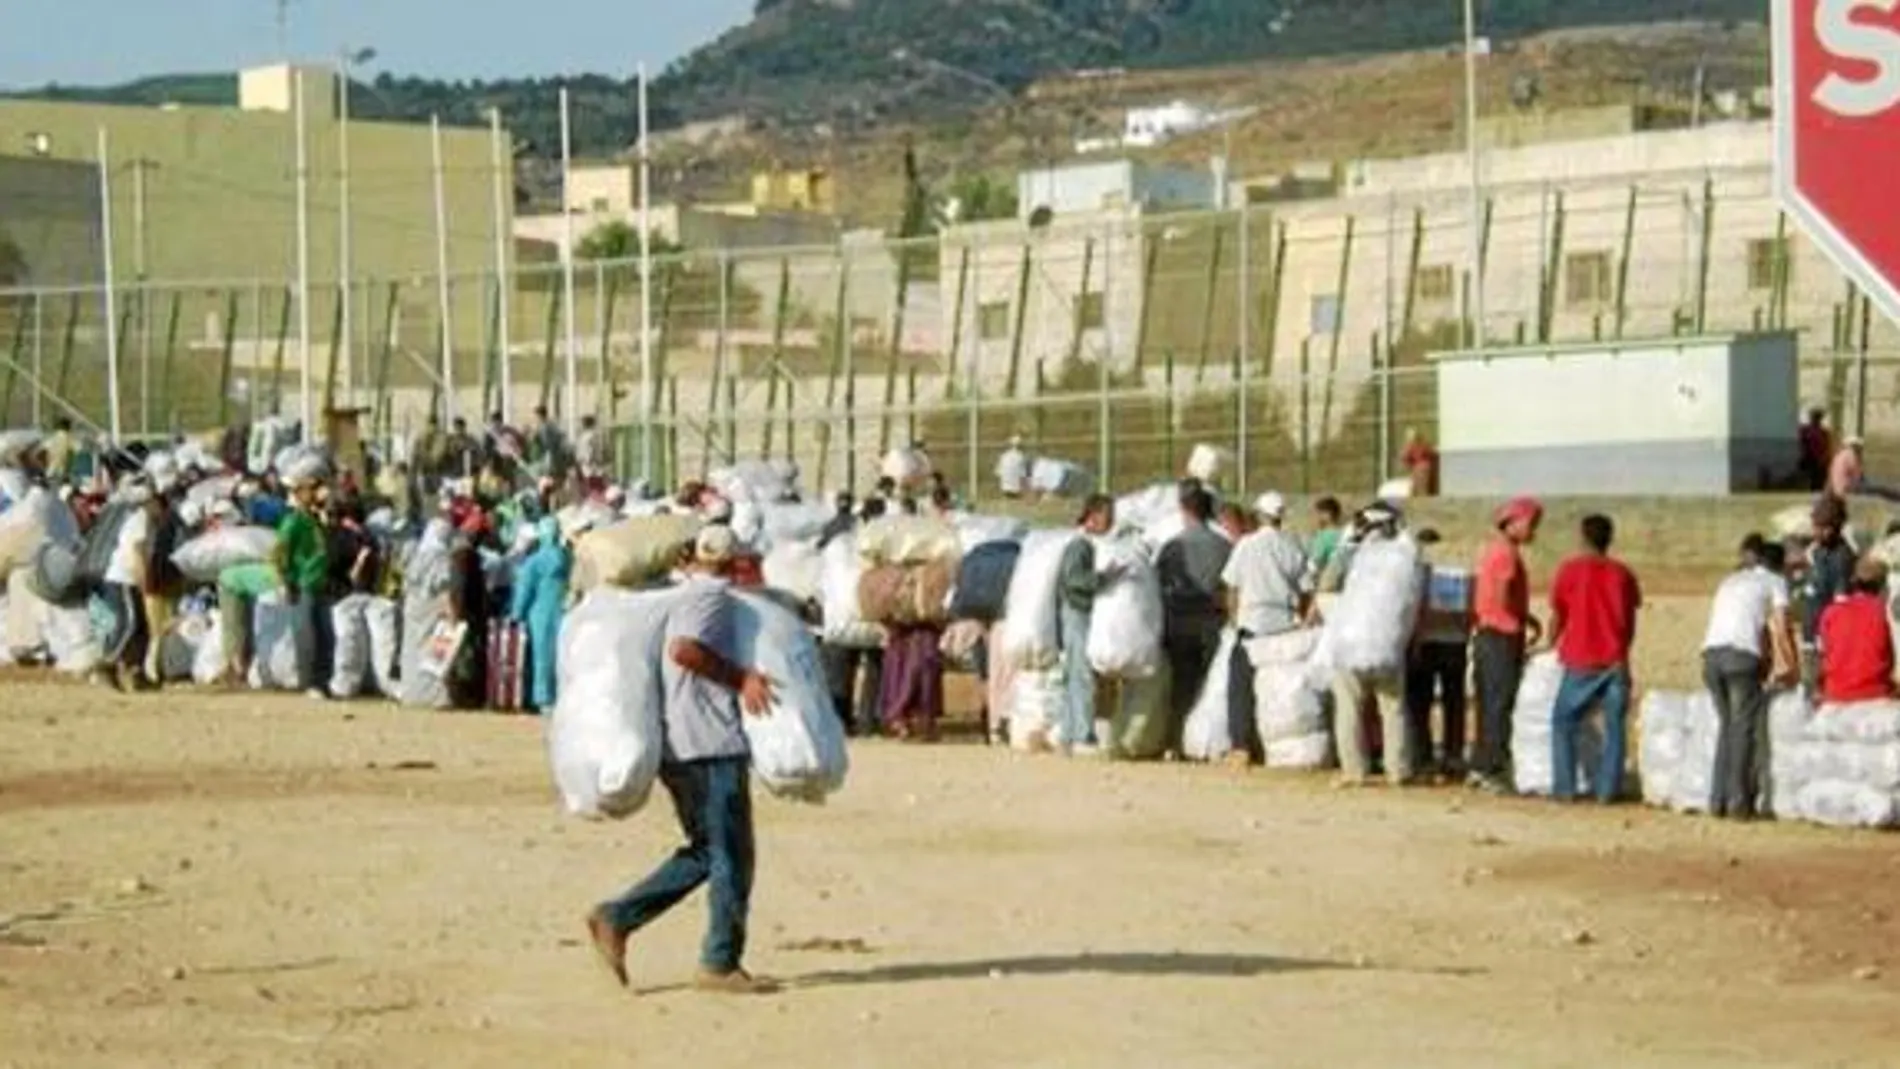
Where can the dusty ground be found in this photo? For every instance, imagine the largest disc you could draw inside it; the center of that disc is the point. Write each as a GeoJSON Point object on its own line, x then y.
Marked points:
{"type": "Point", "coordinates": [190, 880]}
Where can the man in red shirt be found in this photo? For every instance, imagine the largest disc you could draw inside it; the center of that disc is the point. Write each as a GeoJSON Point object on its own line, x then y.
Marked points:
{"type": "Point", "coordinates": [1593, 603]}
{"type": "Point", "coordinates": [1421, 462]}
{"type": "Point", "coordinates": [1856, 640]}
{"type": "Point", "coordinates": [1502, 626]}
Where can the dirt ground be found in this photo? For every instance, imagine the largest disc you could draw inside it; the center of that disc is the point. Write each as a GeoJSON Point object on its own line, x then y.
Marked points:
{"type": "Point", "coordinates": [195, 880]}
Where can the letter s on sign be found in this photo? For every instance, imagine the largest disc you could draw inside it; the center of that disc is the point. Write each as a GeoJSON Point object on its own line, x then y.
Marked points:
{"type": "Point", "coordinates": [1879, 46]}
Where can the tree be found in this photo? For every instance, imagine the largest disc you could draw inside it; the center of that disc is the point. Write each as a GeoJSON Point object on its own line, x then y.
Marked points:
{"type": "Point", "coordinates": [976, 198]}
{"type": "Point", "coordinates": [618, 240]}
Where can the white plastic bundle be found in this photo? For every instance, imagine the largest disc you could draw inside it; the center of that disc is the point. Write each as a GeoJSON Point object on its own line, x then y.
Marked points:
{"type": "Point", "coordinates": [1205, 736]}
{"type": "Point", "coordinates": [178, 647]}
{"type": "Point", "coordinates": [1205, 462]}
{"type": "Point", "coordinates": [202, 559]}
{"type": "Point", "coordinates": [1060, 478]}
{"type": "Point", "coordinates": [793, 522]}
{"type": "Point", "coordinates": [71, 641]}
{"type": "Point", "coordinates": [1035, 711]}
{"type": "Point", "coordinates": [1030, 634]}
{"type": "Point", "coordinates": [1839, 766]}
{"type": "Point", "coordinates": [838, 575]}
{"type": "Point", "coordinates": [284, 643]}
{"type": "Point", "coordinates": [798, 748]}
{"type": "Point", "coordinates": [14, 487]}
{"type": "Point", "coordinates": [300, 462]}
{"type": "Point", "coordinates": [1302, 753]}
{"type": "Point", "coordinates": [207, 664]}
{"type": "Point", "coordinates": [797, 568]}
{"type": "Point", "coordinates": [1395, 489]}
{"type": "Point", "coordinates": [974, 531]}
{"type": "Point", "coordinates": [383, 618]}
{"type": "Point", "coordinates": [15, 444]}
{"type": "Point", "coordinates": [605, 738]}
{"type": "Point", "coordinates": [759, 481]}
{"type": "Point", "coordinates": [1285, 706]}
{"type": "Point", "coordinates": [37, 518]}
{"type": "Point", "coordinates": [1125, 626]}
{"type": "Point", "coordinates": [1371, 624]}
{"type": "Point", "coordinates": [1531, 732]}
{"type": "Point", "coordinates": [25, 617]}
{"type": "Point", "coordinates": [349, 628]}
{"type": "Point", "coordinates": [1659, 745]}
{"type": "Point", "coordinates": [908, 468]}
{"type": "Point", "coordinates": [906, 540]}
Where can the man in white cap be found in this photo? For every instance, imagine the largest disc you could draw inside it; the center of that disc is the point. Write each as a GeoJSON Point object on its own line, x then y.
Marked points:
{"type": "Point", "coordinates": [1269, 593]}
{"type": "Point", "coordinates": [706, 768]}
{"type": "Point", "coordinates": [1012, 469]}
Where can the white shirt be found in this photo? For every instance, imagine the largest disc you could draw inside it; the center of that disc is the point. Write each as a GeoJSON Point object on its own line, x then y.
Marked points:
{"type": "Point", "coordinates": [1267, 572]}
{"type": "Point", "coordinates": [127, 566]}
{"type": "Point", "coordinates": [1742, 606]}
{"type": "Point", "coordinates": [1012, 471]}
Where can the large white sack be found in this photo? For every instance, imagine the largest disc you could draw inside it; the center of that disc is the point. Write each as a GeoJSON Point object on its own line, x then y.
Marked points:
{"type": "Point", "coordinates": [1035, 710]}
{"type": "Point", "coordinates": [974, 531]}
{"type": "Point", "coordinates": [1030, 634]}
{"type": "Point", "coordinates": [1205, 462]}
{"type": "Point", "coordinates": [349, 628]}
{"type": "Point", "coordinates": [1284, 706]}
{"type": "Point", "coordinates": [843, 624]}
{"type": "Point", "coordinates": [207, 662]}
{"type": "Point", "coordinates": [908, 468]}
{"type": "Point", "coordinates": [1205, 736]}
{"type": "Point", "coordinates": [798, 748]}
{"type": "Point", "coordinates": [1125, 625]}
{"type": "Point", "coordinates": [1397, 489]}
{"type": "Point", "coordinates": [793, 522]}
{"type": "Point", "coordinates": [25, 617]}
{"type": "Point", "coordinates": [1060, 478]}
{"type": "Point", "coordinates": [1839, 804]}
{"type": "Point", "coordinates": [37, 518]}
{"type": "Point", "coordinates": [178, 647]}
{"type": "Point", "coordinates": [797, 568]}
{"type": "Point", "coordinates": [758, 481]}
{"type": "Point", "coordinates": [1863, 722]}
{"type": "Point", "coordinates": [1372, 621]}
{"type": "Point", "coordinates": [1301, 753]}
{"type": "Point", "coordinates": [605, 736]}
{"type": "Point", "coordinates": [1531, 754]}
{"type": "Point", "coordinates": [909, 540]}
{"type": "Point", "coordinates": [15, 444]}
{"type": "Point", "coordinates": [202, 559]}
{"type": "Point", "coordinates": [1145, 508]}
{"type": "Point", "coordinates": [217, 488]}
{"type": "Point", "coordinates": [283, 643]}
{"type": "Point", "coordinates": [383, 619]}
{"type": "Point", "coordinates": [1660, 735]}
{"type": "Point", "coordinates": [71, 641]}
{"type": "Point", "coordinates": [14, 486]}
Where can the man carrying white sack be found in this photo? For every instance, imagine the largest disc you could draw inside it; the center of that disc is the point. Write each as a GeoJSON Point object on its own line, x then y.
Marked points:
{"type": "Point", "coordinates": [1267, 579]}
{"type": "Point", "coordinates": [706, 770]}
{"type": "Point", "coordinates": [1371, 629]}
{"type": "Point", "coordinates": [1012, 469]}
{"type": "Point", "coordinates": [1750, 603]}
{"type": "Point", "coordinates": [1077, 584]}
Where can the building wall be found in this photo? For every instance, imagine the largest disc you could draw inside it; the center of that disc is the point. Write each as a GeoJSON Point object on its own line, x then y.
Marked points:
{"type": "Point", "coordinates": [613, 189]}
{"type": "Point", "coordinates": [49, 222]}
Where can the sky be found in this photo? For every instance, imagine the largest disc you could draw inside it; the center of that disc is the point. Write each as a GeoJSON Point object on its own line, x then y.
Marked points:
{"type": "Point", "coordinates": [102, 42]}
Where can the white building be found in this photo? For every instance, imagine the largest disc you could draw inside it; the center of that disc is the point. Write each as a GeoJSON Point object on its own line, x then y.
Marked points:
{"type": "Point", "coordinates": [1114, 185]}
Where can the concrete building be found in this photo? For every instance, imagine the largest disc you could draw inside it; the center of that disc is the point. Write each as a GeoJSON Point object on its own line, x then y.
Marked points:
{"type": "Point", "coordinates": [1117, 184]}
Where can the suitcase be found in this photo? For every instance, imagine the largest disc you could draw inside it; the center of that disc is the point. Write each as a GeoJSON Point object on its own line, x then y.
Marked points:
{"type": "Point", "coordinates": [507, 654]}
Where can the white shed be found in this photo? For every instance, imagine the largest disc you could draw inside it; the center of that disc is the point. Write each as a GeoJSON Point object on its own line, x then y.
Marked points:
{"type": "Point", "coordinates": [1671, 416]}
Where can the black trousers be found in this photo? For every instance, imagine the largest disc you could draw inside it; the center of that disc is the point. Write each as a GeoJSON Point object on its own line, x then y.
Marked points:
{"type": "Point", "coordinates": [1734, 680]}
{"type": "Point", "coordinates": [856, 677]}
{"type": "Point", "coordinates": [1190, 656]}
{"type": "Point", "coordinates": [1498, 663]}
{"type": "Point", "coordinates": [1243, 727]}
{"type": "Point", "coordinates": [1436, 671]}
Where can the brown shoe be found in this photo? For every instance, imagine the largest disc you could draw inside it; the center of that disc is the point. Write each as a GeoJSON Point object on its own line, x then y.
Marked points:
{"type": "Point", "coordinates": [610, 944]}
{"type": "Point", "coordinates": [736, 982]}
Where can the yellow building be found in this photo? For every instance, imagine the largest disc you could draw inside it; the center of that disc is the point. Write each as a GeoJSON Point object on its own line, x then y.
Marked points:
{"type": "Point", "coordinates": [800, 190]}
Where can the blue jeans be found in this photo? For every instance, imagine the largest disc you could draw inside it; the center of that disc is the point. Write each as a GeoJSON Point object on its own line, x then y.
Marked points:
{"type": "Point", "coordinates": [1580, 691]}
{"type": "Point", "coordinates": [1078, 679]}
{"type": "Point", "coordinates": [714, 803]}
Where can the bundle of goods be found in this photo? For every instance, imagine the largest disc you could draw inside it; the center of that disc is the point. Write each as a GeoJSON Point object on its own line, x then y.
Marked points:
{"type": "Point", "coordinates": [284, 643]}
{"type": "Point", "coordinates": [1839, 766]}
{"type": "Point", "coordinates": [982, 590]}
{"type": "Point", "coordinates": [36, 519]}
{"type": "Point", "coordinates": [796, 568]}
{"type": "Point", "coordinates": [14, 486]}
{"type": "Point", "coordinates": [784, 522]}
{"type": "Point", "coordinates": [839, 571]}
{"type": "Point", "coordinates": [1138, 726]}
{"type": "Point", "coordinates": [1205, 736]}
{"type": "Point", "coordinates": [367, 646]}
{"type": "Point", "coordinates": [1531, 731]}
{"type": "Point", "coordinates": [908, 468]}
{"type": "Point", "coordinates": [974, 531]}
{"type": "Point", "coordinates": [1154, 513]}
{"type": "Point", "coordinates": [1060, 478]}
{"type": "Point", "coordinates": [910, 566]}
{"type": "Point", "coordinates": [758, 481]}
{"type": "Point", "coordinates": [1035, 710]}
{"type": "Point", "coordinates": [961, 641]}
{"type": "Point", "coordinates": [202, 559]}
{"type": "Point", "coordinates": [1125, 627]}
{"type": "Point", "coordinates": [301, 462]}
{"type": "Point", "coordinates": [73, 639]}
{"type": "Point", "coordinates": [1397, 489]}
{"type": "Point", "coordinates": [605, 740]}
{"type": "Point", "coordinates": [1677, 736]}
{"type": "Point", "coordinates": [1205, 462]}
{"type": "Point", "coordinates": [632, 553]}
{"type": "Point", "coordinates": [1370, 626]}
{"type": "Point", "coordinates": [798, 748]}
{"type": "Point", "coordinates": [1030, 636]}
{"type": "Point", "coordinates": [15, 445]}
{"type": "Point", "coordinates": [181, 644]}
{"type": "Point", "coordinates": [1289, 712]}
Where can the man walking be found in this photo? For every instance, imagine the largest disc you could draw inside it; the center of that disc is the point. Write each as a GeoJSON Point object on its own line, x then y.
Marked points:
{"type": "Point", "coordinates": [1437, 664]}
{"type": "Point", "coordinates": [1504, 627]}
{"type": "Point", "coordinates": [1267, 579]}
{"type": "Point", "coordinates": [1750, 603]}
{"type": "Point", "coordinates": [303, 564]}
{"type": "Point", "coordinates": [1189, 568]}
{"type": "Point", "coordinates": [1077, 583]}
{"type": "Point", "coordinates": [1593, 603]}
{"type": "Point", "coordinates": [706, 770]}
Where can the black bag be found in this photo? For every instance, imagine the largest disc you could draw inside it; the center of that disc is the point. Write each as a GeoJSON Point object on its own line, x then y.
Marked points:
{"type": "Point", "coordinates": [983, 582]}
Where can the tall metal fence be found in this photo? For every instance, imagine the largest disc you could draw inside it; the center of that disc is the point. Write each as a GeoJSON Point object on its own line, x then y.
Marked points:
{"type": "Point", "coordinates": [1294, 336]}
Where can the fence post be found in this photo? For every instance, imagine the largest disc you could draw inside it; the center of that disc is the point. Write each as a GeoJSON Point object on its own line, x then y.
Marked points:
{"type": "Point", "coordinates": [1170, 409]}
{"type": "Point", "coordinates": [1104, 441]}
{"type": "Point", "coordinates": [1860, 372]}
{"type": "Point", "coordinates": [1339, 329]}
{"type": "Point", "coordinates": [1306, 401]}
{"type": "Point", "coordinates": [841, 328]}
{"type": "Point", "coordinates": [225, 359]}
{"type": "Point", "coordinates": [1778, 300]}
{"type": "Point", "coordinates": [1243, 348]}
{"type": "Point", "coordinates": [778, 357]}
{"type": "Point", "coordinates": [19, 353]}
{"type": "Point", "coordinates": [1623, 266]}
{"type": "Point", "coordinates": [385, 404]}
{"type": "Point", "coordinates": [1276, 291]}
{"type": "Point", "coordinates": [1207, 307]}
{"type": "Point", "coordinates": [39, 357]}
{"type": "Point", "coordinates": [885, 418]}
{"type": "Point", "coordinates": [67, 345]}
{"type": "Point", "coordinates": [1702, 260]}
{"type": "Point", "coordinates": [277, 362]}
{"type": "Point", "coordinates": [1553, 272]}
{"type": "Point", "coordinates": [956, 327]}
{"type": "Point", "coordinates": [557, 297]}
{"type": "Point", "coordinates": [1382, 358]}
{"type": "Point", "coordinates": [1151, 260]}
{"type": "Point", "coordinates": [1412, 267]}
{"type": "Point", "coordinates": [1012, 384]}
{"type": "Point", "coordinates": [165, 403]}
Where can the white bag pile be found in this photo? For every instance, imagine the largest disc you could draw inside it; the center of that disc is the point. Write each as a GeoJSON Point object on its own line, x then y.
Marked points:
{"type": "Point", "coordinates": [1060, 478]}
{"type": "Point", "coordinates": [1370, 626]}
{"type": "Point", "coordinates": [1030, 634]}
{"type": "Point", "coordinates": [37, 518]}
{"type": "Point", "coordinates": [1035, 710]}
{"type": "Point", "coordinates": [838, 573]}
{"type": "Point", "coordinates": [204, 557]}
{"type": "Point", "coordinates": [1841, 767]}
{"type": "Point", "coordinates": [1125, 627]}
{"type": "Point", "coordinates": [798, 748]}
{"type": "Point", "coordinates": [1205, 736]}
{"type": "Point", "coordinates": [1677, 736]}
{"type": "Point", "coordinates": [284, 643]}
{"type": "Point", "coordinates": [605, 739]}
{"type": "Point", "coordinates": [1290, 714]}
{"type": "Point", "coordinates": [1531, 731]}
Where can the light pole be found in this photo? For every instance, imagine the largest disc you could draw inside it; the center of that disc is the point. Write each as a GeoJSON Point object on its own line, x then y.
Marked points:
{"type": "Point", "coordinates": [346, 60]}
{"type": "Point", "coordinates": [1477, 182]}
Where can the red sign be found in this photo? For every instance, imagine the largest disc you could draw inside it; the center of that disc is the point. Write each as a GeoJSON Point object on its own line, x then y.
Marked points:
{"type": "Point", "coordinates": [1837, 119]}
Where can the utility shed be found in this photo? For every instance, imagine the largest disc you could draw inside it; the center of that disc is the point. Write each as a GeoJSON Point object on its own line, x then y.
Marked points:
{"type": "Point", "coordinates": [1672, 416]}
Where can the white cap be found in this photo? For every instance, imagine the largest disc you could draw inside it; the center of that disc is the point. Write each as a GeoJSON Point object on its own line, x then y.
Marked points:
{"type": "Point", "coordinates": [1271, 505]}
{"type": "Point", "coordinates": [715, 545]}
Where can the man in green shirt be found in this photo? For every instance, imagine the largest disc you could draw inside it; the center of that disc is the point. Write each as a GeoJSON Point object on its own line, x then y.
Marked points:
{"type": "Point", "coordinates": [303, 560]}
{"type": "Point", "coordinates": [1325, 547]}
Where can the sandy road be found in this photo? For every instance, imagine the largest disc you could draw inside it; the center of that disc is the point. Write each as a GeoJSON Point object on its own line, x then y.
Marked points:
{"type": "Point", "coordinates": [209, 881]}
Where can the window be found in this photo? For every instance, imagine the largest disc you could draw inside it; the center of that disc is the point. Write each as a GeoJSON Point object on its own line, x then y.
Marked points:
{"type": "Point", "coordinates": [1436, 284]}
{"type": "Point", "coordinates": [1766, 257]}
{"type": "Point", "coordinates": [1323, 317]}
{"type": "Point", "coordinates": [1587, 279]}
{"type": "Point", "coordinates": [1091, 311]}
{"type": "Point", "coordinates": [992, 320]}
